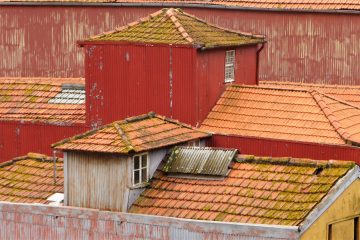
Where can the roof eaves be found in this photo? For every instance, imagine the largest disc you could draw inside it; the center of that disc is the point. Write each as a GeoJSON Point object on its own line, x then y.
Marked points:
{"type": "Point", "coordinates": [66, 140]}
{"type": "Point", "coordinates": [340, 186]}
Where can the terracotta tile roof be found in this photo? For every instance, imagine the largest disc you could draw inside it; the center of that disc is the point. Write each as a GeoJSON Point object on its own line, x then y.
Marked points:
{"type": "Point", "coordinates": [298, 115]}
{"type": "Point", "coordinates": [37, 100]}
{"type": "Point", "coordinates": [134, 134]}
{"type": "Point", "coordinates": [173, 26]}
{"type": "Point", "coordinates": [261, 4]}
{"type": "Point", "coordinates": [279, 191]}
{"type": "Point", "coordinates": [346, 93]}
{"type": "Point", "coordinates": [30, 179]}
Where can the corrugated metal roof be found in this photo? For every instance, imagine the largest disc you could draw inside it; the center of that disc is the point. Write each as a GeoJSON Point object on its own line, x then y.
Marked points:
{"type": "Point", "coordinates": [69, 96]}
{"type": "Point", "coordinates": [196, 160]}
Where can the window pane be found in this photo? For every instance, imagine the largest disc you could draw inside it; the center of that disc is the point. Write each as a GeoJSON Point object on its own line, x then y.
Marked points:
{"type": "Point", "coordinates": [136, 177]}
{"type": "Point", "coordinates": [144, 161]}
{"type": "Point", "coordinates": [136, 162]}
{"type": "Point", "coordinates": [143, 175]}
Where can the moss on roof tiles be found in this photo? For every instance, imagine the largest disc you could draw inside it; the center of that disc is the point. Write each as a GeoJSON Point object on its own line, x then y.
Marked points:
{"type": "Point", "coordinates": [173, 26]}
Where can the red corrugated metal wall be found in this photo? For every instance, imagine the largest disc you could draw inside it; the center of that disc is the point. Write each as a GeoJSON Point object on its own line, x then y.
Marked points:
{"type": "Point", "coordinates": [283, 148]}
{"type": "Point", "coordinates": [303, 47]}
{"type": "Point", "coordinates": [129, 80]}
{"type": "Point", "coordinates": [17, 139]}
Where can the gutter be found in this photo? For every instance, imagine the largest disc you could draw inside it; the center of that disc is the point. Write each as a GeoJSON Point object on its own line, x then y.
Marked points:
{"type": "Point", "coordinates": [257, 62]}
{"type": "Point", "coordinates": [181, 5]}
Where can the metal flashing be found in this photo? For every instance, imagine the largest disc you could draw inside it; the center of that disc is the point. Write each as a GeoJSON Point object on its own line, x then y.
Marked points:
{"type": "Point", "coordinates": [339, 187]}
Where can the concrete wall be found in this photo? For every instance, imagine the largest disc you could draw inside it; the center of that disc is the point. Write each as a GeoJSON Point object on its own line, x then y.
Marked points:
{"type": "Point", "coordinates": [25, 221]}
{"type": "Point", "coordinates": [341, 214]}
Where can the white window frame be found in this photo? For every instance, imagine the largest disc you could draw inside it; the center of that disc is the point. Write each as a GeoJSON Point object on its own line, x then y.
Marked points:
{"type": "Point", "coordinates": [230, 57]}
{"type": "Point", "coordinates": [140, 183]}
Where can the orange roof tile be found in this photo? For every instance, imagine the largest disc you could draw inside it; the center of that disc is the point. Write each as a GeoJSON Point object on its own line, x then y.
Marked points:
{"type": "Point", "coordinates": [137, 134]}
{"type": "Point", "coordinates": [173, 26]}
{"type": "Point", "coordinates": [42, 100]}
{"type": "Point", "coordinates": [30, 179]}
{"type": "Point", "coordinates": [346, 93]}
{"type": "Point", "coordinates": [259, 190]}
{"type": "Point", "coordinates": [298, 115]}
{"type": "Point", "coordinates": [261, 4]}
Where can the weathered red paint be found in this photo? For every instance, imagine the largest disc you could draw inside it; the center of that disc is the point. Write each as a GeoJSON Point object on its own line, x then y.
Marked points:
{"type": "Point", "coordinates": [180, 82]}
{"type": "Point", "coordinates": [302, 47]}
{"type": "Point", "coordinates": [284, 148]}
{"type": "Point", "coordinates": [17, 139]}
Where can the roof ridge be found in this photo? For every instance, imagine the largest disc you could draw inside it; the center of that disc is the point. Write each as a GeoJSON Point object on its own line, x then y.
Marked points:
{"type": "Point", "coordinates": [304, 84]}
{"type": "Point", "coordinates": [267, 88]}
{"type": "Point", "coordinates": [295, 161]}
{"type": "Point", "coordinates": [329, 115]}
{"type": "Point", "coordinates": [123, 136]}
{"type": "Point", "coordinates": [171, 13]}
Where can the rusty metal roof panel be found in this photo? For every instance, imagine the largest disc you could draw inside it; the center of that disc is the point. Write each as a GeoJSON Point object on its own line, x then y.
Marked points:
{"type": "Point", "coordinates": [200, 160]}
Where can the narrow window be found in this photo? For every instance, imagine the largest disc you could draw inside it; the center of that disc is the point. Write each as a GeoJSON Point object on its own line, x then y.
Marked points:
{"type": "Point", "coordinates": [229, 66]}
{"type": "Point", "coordinates": [140, 169]}
{"type": "Point", "coordinates": [330, 232]}
{"type": "Point", "coordinates": [356, 228]}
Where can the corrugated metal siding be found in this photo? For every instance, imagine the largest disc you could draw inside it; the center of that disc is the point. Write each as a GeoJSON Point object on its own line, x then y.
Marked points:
{"type": "Point", "coordinates": [194, 160]}
{"type": "Point", "coordinates": [25, 221]}
{"type": "Point", "coordinates": [121, 80]}
{"type": "Point", "coordinates": [303, 47]}
{"type": "Point", "coordinates": [283, 148]}
{"type": "Point", "coordinates": [17, 139]}
{"type": "Point", "coordinates": [97, 181]}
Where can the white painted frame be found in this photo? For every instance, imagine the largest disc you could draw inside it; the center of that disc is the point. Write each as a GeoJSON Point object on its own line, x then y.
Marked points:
{"type": "Point", "coordinates": [230, 57]}
{"type": "Point", "coordinates": [140, 184]}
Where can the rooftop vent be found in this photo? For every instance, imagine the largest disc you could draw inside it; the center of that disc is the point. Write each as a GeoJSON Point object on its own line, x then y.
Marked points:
{"type": "Point", "coordinates": [200, 161]}
{"type": "Point", "coordinates": [70, 94]}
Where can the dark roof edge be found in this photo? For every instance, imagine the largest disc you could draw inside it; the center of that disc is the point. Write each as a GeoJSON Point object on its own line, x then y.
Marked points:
{"type": "Point", "coordinates": [340, 186]}
{"type": "Point", "coordinates": [187, 5]}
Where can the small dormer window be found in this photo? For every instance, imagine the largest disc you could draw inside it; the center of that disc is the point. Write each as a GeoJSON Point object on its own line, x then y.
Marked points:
{"type": "Point", "coordinates": [229, 66]}
{"type": "Point", "coordinates": [140, 169]}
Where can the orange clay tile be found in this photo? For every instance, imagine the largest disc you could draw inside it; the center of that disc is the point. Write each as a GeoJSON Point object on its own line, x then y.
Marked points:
{"type": "Point", "coordinates": [173, 26]}
{"type": "Point", "coordinates": [37, 100]}
{"type": "Point", "coordinates": [141, 133]}
{"type": "Point", "coordinates": [287, 200]}
{"type": "Point", "coordinates": [259, 4]}
{"type": "Point", "coordinates": [350, 94]}
{"type": "Point", "coordinates": [305, 115]}
{"type": "Point", "coordinates": [30, 179]}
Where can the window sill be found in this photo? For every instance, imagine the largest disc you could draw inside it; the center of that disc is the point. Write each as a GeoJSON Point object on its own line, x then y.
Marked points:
{"type": "Point", "coordinates": [142, 185]}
